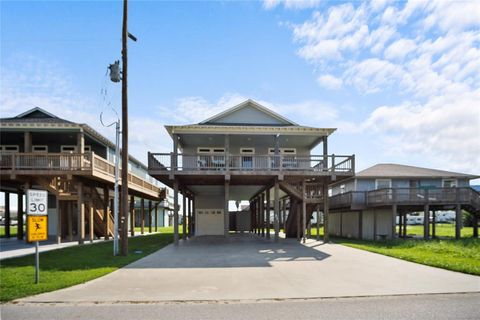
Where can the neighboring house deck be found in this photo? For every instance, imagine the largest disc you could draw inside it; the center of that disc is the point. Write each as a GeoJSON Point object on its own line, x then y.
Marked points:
{"type": "Point", "coordinates": [387, 192]}
{"type": "Point", "coordinates": [75, 164]}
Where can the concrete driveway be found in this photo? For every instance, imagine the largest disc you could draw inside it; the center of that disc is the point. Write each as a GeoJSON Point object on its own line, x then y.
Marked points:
{"type": "Point", "coordinates": [246, 267]}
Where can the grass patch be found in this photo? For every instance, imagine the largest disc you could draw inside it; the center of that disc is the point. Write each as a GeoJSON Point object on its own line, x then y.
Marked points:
{"type": "Point", "coordinates": [13, 231]}
{"type": "Point", "coordinates": [446, 230]}
{"type": "Point", "coordinates": [73, 265]}
{"type": "Point", "coordinates": [457, 255]}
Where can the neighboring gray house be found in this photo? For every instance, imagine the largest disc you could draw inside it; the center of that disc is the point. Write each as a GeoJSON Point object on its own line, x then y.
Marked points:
{"type": "Point", "coordinates": [367, 205]}
{"type": "Point", "coordinates": [251, 153]}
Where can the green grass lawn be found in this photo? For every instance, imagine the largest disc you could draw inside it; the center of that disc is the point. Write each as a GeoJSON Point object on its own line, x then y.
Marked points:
{"type": "Point", "coordinates": [13, 231]}
{"type": "Point", "coordinates": [441, 230]}
{"type": "Point", "coordinates": [458, 255]}
{"type": "Point", "coordinates": [70, 266]}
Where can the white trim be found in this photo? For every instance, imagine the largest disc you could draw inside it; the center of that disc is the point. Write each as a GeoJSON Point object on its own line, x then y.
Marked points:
{"type": "Point", "coordinates": [383, 180]}
{"type": "Point", "coordinates": [4, 147]}
{"type": "Point", "coordinates": [44, 147]}
{"type": "Point", "coordinates": [283, 151]}
{"type": "Point", "coordinates": [203, 150]}
{"type": "Point", "coordinates": [87, 148]}
{"type": "Point", "coordinates": [247, 151]}
{"type": "Point", "coordinates": [64, 147]}
{"type": "Point", "coordinates": [255, 105]}
{"type": "Point", "coordinates": [450, 179]}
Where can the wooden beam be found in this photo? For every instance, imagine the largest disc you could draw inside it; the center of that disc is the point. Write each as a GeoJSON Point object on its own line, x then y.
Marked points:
{"type": "Point", "coordinates": [360, 224]}
{"type": "Point", "coordinates": [175, 211]}
{"type": "Point", "coordinates": [475, 225]}
{"type": "Point", "coordinates": [326, 231]}
{"type": "Point", "coordinates": [27, 141]}
{"type": "Point", "coordinates": [434, 218]}
{"type": "Point", "coordinates": [81, 214]}
{"type": "Point", "coordinates": [91, 221]}
{"type": "Point", "coordinates": [317, 225]}
{"type": "Point", "coordinates": [276, 209]}
{"type": "Point", "coordinates": [394, 220]}
{"type": "Point", "coordinates": [156, 216]}
{"type": "Point", "coordinates": [262, 214]}
{"type": "Point", "coordinates": [226, 210]}
{"type": "Point", "coordinates": [184, 222]}
{"type": "Point", "coordinates": [132, 215]}
{"type": "Point", "coordinates": [267, 214]}
{"type": "Point", "coordinates": [150, 216]}
{"type": "Point", "coordinates": [142, 215]}
{"type": "Point", "coordinates": [70, 221]}
{"type": "Point", "coordinates": [426, 222]}
{"type": "Point", "coordinates": [375, 225]}
{"type": "Point", "coordinates": [20, 215]}
{"type": "Point", "coordinates": [304, 211]}
{"type": "Point", "coordinates": [59, 219]}
{"type": "Point", "coordinates": [7, 214]}
{"type": "Point", "coordinates": [458, 221]}
{"type": "Point", "coordinates": [106, 212]}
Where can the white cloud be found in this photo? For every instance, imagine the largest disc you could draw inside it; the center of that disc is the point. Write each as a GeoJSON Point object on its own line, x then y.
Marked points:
{"type": "Point", "coordinates": [330, 82]}
{"type": "Point", "coordinates": [399, 49]}
{"type": "Point", "coordinates": [291, 4]}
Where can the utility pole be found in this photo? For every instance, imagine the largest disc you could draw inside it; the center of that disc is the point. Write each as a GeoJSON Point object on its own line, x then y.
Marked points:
{"type": "Point", "coordinates": [124, 198]}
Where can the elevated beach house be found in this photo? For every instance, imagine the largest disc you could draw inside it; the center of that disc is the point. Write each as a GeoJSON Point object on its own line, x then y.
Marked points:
{"type": "Point", "coordinates": [75, 164]}
{"type": "Point", "coordinates": [373, 203]}
{"type": "Point", "coordinates": [251, 153]}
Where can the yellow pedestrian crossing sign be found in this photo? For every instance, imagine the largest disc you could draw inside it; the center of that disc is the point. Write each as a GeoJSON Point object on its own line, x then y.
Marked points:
{"type": "Point", "coordinates": [37, 228]}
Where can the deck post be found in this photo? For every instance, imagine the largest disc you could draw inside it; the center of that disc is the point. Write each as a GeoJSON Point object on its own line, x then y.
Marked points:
{"type": "Point", "coordinates": [475, 225]}
{"type": "Point", "coordinates": [226, 210]}
{"type": "Point", "coordinates": [458, 221]}
{"type": "Point", "coordinates": [70, 221]}
{"type": "Point", "coordinates": [20, 215]}
{"type": "Point", "coordinates": [375, 225]}
{"type": "Point", "coordinates": [175, 211]}
{"type": "Point", "coordinates": [142, 216]}
{"type": "Point", "coordinates": [59, 218]}
{"type": "Point", "coordinates": [299, 219]}
{"type": "Point", "coordinates": [304, 210]}
{"type": "Point", "coordinates": [106, 213]}
{"type": "Point", "coordinates": [405, 225]}
{"type": "Point", "coordinates": [132, 215]}
{"type": "Point", "coordinates": [81, 214]}
{"type": "Point", "coordinates": [90, 221]}
{"type": "Point", "coordinates": [7, 214]}
{"type": "Point", "coordinates": [360, 224]}
{"type": "Point", "coordinates": [276, 209]}
{"type": "Point", "coordinates": [326, 231]}
{"type": "Point", "coordinates": [394, 220]}
{"type": "Point", "coordinates": [284, 205]}
{"type": "Point", "coordinates": [426, 222]}
{"type": "Point", "coordinates": [325, 154]}
{"type": "Point", "coordinates": [318, 222]}
{"type": "Point", "coordinates": [262, 214]}
{"type": "Point", "coordinates": [434, 213]}
{"type": "Point", "coordinates": [267, 213]}
{"type": "Point", "coordinates": [184, 217]}
{"type": "Point", "coordinates": [27, 141]}
{"type": "Point", "coordinates": [156, 216]}
{"type": "Point", "coordinates": [149, 216]}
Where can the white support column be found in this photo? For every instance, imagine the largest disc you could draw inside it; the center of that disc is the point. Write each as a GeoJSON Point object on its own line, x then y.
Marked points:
{"type": "Point", "coordinates": [276, 208]}
{"type": "Point", "coordinates": [226, 211]}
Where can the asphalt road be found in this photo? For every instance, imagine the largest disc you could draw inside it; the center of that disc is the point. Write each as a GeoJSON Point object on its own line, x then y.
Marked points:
{"type": "Point", "coordinates": [437, 307]}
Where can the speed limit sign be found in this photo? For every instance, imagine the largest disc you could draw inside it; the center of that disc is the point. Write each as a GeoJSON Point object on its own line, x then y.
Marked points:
{"type": "Point", "coordinates": [37, 202]}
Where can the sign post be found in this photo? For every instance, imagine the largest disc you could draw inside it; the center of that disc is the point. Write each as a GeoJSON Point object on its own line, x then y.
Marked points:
{"type": "Point", "coordinates": [37, 222]}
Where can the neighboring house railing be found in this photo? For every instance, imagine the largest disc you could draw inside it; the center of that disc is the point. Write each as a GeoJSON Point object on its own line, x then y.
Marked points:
{"type": "Point", "coordinates": [68, 162]}
{"type": "Point", "coordinates": [194, 162]}
{"type": "Point", "coordinates": [406, 196]}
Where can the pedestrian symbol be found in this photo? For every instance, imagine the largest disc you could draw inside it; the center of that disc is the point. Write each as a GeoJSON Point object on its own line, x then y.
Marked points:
{"type": "Point", "coordinates": [37, 228]}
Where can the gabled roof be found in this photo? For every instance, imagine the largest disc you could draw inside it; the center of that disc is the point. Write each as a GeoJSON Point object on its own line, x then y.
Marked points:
{"type": "Point", "coordinates": [217, 119]}
{"type": "Point", "coordinates": [35, 115]}
{"type": "Point", "coordinates": [390, 170]}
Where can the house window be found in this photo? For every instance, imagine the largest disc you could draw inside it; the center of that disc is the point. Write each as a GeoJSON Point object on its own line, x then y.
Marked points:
{"type": "Point", "coordinates": [383, 183]}
{"type": "Point", "coordinates": [87, 148]}
{"type": "Point", "coordinates": [449, 183]}
{"type": "Point", "coordinates": [211, 157]}
{"type": "Point", "coordinates": [9, 149]}
{"type": "Point", "coordinates": [68, 148]}
{"type": "Point", "coordinates": [39, 148]}
{"type": "Point", "coordinates": [247, 157]}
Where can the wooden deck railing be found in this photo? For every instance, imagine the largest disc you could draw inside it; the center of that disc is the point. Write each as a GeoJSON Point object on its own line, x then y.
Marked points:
{"type": "Point", "coordinates": [406, 196]}
{"type": "Point", "coordinates": [194, 162]}
{"type": "Point", "coordinates": [74, 162]}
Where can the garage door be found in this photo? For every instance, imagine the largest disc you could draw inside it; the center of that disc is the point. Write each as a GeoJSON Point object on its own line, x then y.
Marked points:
{"type": "Point", "coordinates": [209, 222]}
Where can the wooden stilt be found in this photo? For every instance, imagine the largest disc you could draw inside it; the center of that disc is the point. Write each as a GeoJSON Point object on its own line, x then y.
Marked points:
{"type": "Point", "coordinates": [132, 216]}
{"type": "Point", "coordinates": [304, 210]}
{"type": "Point", "coordinates": [91, 222]}
{"type": "Point", "coordinates": [106, 212]}
{"type": "Point", "coordinates": [226, 210]}
{"type": "Point", "coordinates": [184, 217]}
{"type": "Point", "coordinates": [317, 225]}
{"type": "Point", "coordinates": [375, 232]}
{"type": "Point", "coordinates": [458, 221]}
{"type": "Point", "coordinates": [394, 221]}
{"type": "Point", "coordinates": [175, 212]}
{"type": "Point", "coordinates": [59, 219]}
{"type": "Point", "coordinates": [156, 216]}
{"type": "Point", "coordinates": [70, 221]}
{"type": "Point", "coordinates": [276, 209]}
{"type": "Point", "coordinates": [81, 214]}
{"type": "Point", "coordinates": [426, 222]}
{"type": "Point", "coordinates": [7, 214]}
{"type": "Point", "coordinates": [360, 224]}
{"type": "Point", "coordinates": [326, 231]}
{"type": "Point", "coordinates": [434, 218]}
{"type": "Point", "coordinates": [262, 214]}
{"type": "Point", "coordinates": [149, 216]}
{"type": "Point", "coordinates": [142, 216]}
{"type": "Point", "coordinates": [20, 216]}
{"type": "Point", "coordinates": [267, 213]}
{"type": "Point", "coordinates": [475, 225]}
{"type": "Point", "coordinates": [405, 225]}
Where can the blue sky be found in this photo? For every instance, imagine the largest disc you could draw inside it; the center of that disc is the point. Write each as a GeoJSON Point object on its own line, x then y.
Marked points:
{"type": "Point", "coordinates": [400, 80]}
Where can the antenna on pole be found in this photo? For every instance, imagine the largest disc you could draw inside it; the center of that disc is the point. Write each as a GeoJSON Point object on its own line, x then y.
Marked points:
{"type": "Point", "coordinates": [117, 167]}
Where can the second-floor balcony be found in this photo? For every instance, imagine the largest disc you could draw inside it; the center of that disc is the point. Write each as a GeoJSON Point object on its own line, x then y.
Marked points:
{"type": "Point", "coordinates": [163, 163]}
{"type": "Point", "coordinates": [406, 196]}
{"type": "Point", "coordinates": [86, 164]}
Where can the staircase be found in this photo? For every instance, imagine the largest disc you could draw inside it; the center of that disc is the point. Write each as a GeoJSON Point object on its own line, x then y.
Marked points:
{"type": "Point", "coordinates": [61, 187]}
{"type": "Point", "coordinates": [312, 195]}
{"type": "Point", "coordinates": [98, 214]}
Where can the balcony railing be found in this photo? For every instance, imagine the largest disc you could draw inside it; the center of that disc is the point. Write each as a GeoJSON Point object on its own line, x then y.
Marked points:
{"type": "Point", "coordinates": [194, 162]}
{"type": "Point", "coordinates": [68, 162]}
{"type": "Point", "coordinates": [406, 196]}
